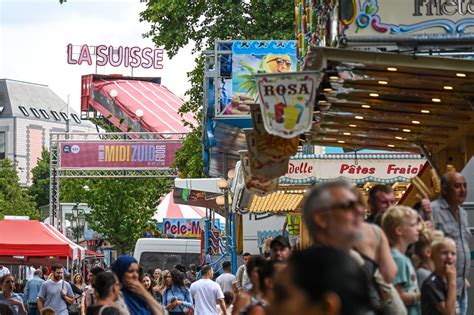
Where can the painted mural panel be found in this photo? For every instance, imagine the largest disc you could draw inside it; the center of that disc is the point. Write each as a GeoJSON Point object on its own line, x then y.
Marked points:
{"type": "Point", "coordinates": [408, 17]}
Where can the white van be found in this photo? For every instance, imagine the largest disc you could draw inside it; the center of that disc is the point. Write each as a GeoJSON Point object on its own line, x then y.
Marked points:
{"type": "Point", "coordinates": [164, 253]}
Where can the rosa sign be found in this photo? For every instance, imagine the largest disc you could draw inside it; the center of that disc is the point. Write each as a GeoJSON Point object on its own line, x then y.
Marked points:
{"type": "Point", "coordinates": [287, 101]}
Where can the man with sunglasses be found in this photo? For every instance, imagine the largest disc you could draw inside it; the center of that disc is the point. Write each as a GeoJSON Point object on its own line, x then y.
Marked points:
{"type": "Point", "coordinates": [333, 215]}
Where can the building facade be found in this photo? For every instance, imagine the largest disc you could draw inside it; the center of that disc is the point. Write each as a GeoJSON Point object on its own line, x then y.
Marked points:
{"type": "Point", "coordinates": [29, 112]}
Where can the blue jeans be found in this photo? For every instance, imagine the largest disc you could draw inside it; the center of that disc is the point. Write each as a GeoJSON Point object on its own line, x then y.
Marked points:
{"type": "Point", "coordinates": [33, 309]}
{"type": "Point", "coordinates": [461, 303]}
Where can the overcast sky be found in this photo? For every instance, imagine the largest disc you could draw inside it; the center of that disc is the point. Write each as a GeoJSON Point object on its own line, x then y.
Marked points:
{"type": "Point", "coordinates": [34, 35]}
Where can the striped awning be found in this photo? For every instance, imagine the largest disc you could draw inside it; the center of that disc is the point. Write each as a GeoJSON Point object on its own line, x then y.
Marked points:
{"type": "Point", "coordinates": [134, 104]}
{"type": "Point", "coordinates": [170, 210]}
{"type": "Point", "coordinates": [158, 105]}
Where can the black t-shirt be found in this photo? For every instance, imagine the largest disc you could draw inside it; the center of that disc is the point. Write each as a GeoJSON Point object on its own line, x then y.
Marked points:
{"type": "Point", "coordinates": [108, 310]}
{"type": "Point", "coordinates": [433, 292]}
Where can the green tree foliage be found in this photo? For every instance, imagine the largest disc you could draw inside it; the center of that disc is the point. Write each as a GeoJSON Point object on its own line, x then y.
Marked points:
{"type": "Point", "coordinates": [14, 200]}
{"type": "Point", "coordinates": [122, 209]}
{"type": "Point", "coordinates": [188, 159]}
{"type": "Point", "coordinates": [176, 23]}
{"type": "Point", "coordinates": [39, 190]}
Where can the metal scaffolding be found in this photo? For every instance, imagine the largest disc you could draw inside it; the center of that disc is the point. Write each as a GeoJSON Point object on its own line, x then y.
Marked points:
{"type": "Point", "coordinates": [56, 172]}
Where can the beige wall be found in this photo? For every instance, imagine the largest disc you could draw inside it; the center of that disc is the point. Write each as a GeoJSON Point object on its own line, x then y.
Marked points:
{"type": "Point", "coordinates": [27, 140]}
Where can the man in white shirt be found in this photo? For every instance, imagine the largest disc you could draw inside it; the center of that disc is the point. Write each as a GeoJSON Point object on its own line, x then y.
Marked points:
{"type": "Point", "coordinates": [242, 281]}
{"type": "Point", "coordinates": [226, 279]}
{"type": "Point", "coordinates": [206, 293]}
{"type": "Point", "coordinates": [4, 271]}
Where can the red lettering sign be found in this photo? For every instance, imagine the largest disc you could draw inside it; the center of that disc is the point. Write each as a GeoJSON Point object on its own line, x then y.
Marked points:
{"type": "Point", "coordinates": [356, 169]}
{"type": "Point", "coordinates": [116, 56]}
{"type": "Point", "coordinates": [301, 168]}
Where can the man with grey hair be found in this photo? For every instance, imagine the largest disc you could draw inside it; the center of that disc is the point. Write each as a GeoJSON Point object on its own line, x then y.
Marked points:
{"type": "Point", "coordinates": [449, 217]}
{"type": "Point", "coordinates": [333, 215]}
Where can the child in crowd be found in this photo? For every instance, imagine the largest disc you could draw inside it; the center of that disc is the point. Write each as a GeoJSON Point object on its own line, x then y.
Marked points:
{"type": "Point", "coordinates": [401, 227]}
{"type": "Point", "coordinates": [48, 311]}
{"type": "Point", "coordinates": [423, 252]}
{"type": "Point", "coordinates": [438, 293]}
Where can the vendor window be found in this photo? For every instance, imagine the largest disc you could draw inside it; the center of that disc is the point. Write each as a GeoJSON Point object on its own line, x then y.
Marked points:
{"type": "Point", "coordinates": [2, 145]}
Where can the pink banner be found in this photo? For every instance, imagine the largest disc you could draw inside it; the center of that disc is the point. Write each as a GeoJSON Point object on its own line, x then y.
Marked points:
{"type": "Point", "coordinates": [117, 155]}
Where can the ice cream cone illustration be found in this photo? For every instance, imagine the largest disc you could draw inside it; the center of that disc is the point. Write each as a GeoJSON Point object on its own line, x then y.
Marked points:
{"type": "Point", "coordinates": [291, 116]}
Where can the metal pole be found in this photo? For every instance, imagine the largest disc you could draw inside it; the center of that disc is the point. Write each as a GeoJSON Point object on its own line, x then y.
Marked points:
{"type": "Point", "coordinates": [428, 157]}
{"type": "Point", "coordinates": [68, 114]}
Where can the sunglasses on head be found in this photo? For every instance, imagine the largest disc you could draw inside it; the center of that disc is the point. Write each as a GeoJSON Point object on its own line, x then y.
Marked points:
{"type": "Point", "coordinates": [281, 61]}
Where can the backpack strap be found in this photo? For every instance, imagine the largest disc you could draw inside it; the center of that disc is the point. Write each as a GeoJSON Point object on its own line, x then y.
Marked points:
{"type": "Point", "coordinates": [101, 309]}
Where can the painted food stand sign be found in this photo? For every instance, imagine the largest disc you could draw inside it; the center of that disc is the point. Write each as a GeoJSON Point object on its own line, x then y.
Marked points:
{"type": "Point", "coordinates": [179, 228]}
{"type": "Point", "coordinates": [248, 58]}
{"type": "Point", "coordinates": [286, 102]}
{"type": "Point", "coordinates": [407, 17]}
{"type": "Point", "coordinates": [117, 155]}
{"type": "Point", "coordinates": [379, 168]}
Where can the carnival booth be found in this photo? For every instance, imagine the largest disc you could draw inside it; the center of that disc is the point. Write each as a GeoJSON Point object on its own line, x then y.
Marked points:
{"type": "Point", "coordinates": [27, 242]}
{"type": "Point", "coordinates": [178, 220]}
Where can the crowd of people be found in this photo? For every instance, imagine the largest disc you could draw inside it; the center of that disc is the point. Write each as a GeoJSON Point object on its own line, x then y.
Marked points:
{"type": "Point", "coordinates": [365, 258]}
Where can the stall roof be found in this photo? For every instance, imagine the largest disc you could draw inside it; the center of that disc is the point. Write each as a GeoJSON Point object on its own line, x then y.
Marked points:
{"type": "Point", "coordinates": [390, 101]}
{"type": "Point", "coordinates": [119, 99]}
{"type": "Point", "coordinates": [283, 200]}
{"type": "Point", "coordinates": [31, 238]}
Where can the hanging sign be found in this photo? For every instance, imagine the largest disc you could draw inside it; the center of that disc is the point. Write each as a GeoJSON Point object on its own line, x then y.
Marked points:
{"type": "Point", "coordinates": [90, 155]}
{"type": "Point", "coordinates": [258, 185]}
{"type": "Point", "coordinates": [287, 102]}
{"type": "Point", "coordinates": [379, 169]}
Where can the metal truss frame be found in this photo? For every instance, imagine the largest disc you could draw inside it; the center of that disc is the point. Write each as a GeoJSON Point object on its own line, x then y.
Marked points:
{"type": "Point", "coordinates": [56, 173]}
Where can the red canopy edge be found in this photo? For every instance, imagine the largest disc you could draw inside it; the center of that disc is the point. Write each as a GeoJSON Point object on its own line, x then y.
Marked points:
{"type": "Point", "coordinates": [31, 238]}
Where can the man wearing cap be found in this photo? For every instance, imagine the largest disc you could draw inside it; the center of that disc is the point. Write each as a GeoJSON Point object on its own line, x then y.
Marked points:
{"type": "Point", "coordinates": [280, 248]}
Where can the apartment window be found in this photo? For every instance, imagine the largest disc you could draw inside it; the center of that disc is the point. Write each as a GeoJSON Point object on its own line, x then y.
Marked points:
{"type": "Point", "coordinates": [2, 145]}
{"type": "Point", "coordinates": [24, 111]}
{"type": "Point", "coordinates": [55, 115]}
{"type": "Point", "coordinates": [44, 113]}
{"type": "Point", "coordinates": [35, 112]}
{"type": "Point", "coordinates": [64, 116]}
{"type": "Point", "coordinates": [76, 118]}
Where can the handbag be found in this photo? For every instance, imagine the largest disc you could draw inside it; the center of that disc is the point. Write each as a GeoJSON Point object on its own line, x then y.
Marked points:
{"type": "Point", "coordinates": [74, 308]}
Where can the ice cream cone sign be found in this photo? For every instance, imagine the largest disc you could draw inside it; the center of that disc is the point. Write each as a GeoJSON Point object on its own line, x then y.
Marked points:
{"type": "Point", "coordinates": [287, 101]}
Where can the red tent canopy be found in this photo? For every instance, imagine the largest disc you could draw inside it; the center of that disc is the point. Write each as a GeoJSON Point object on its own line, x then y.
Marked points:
{"type": "Point", "coordinates": [31, 238]}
